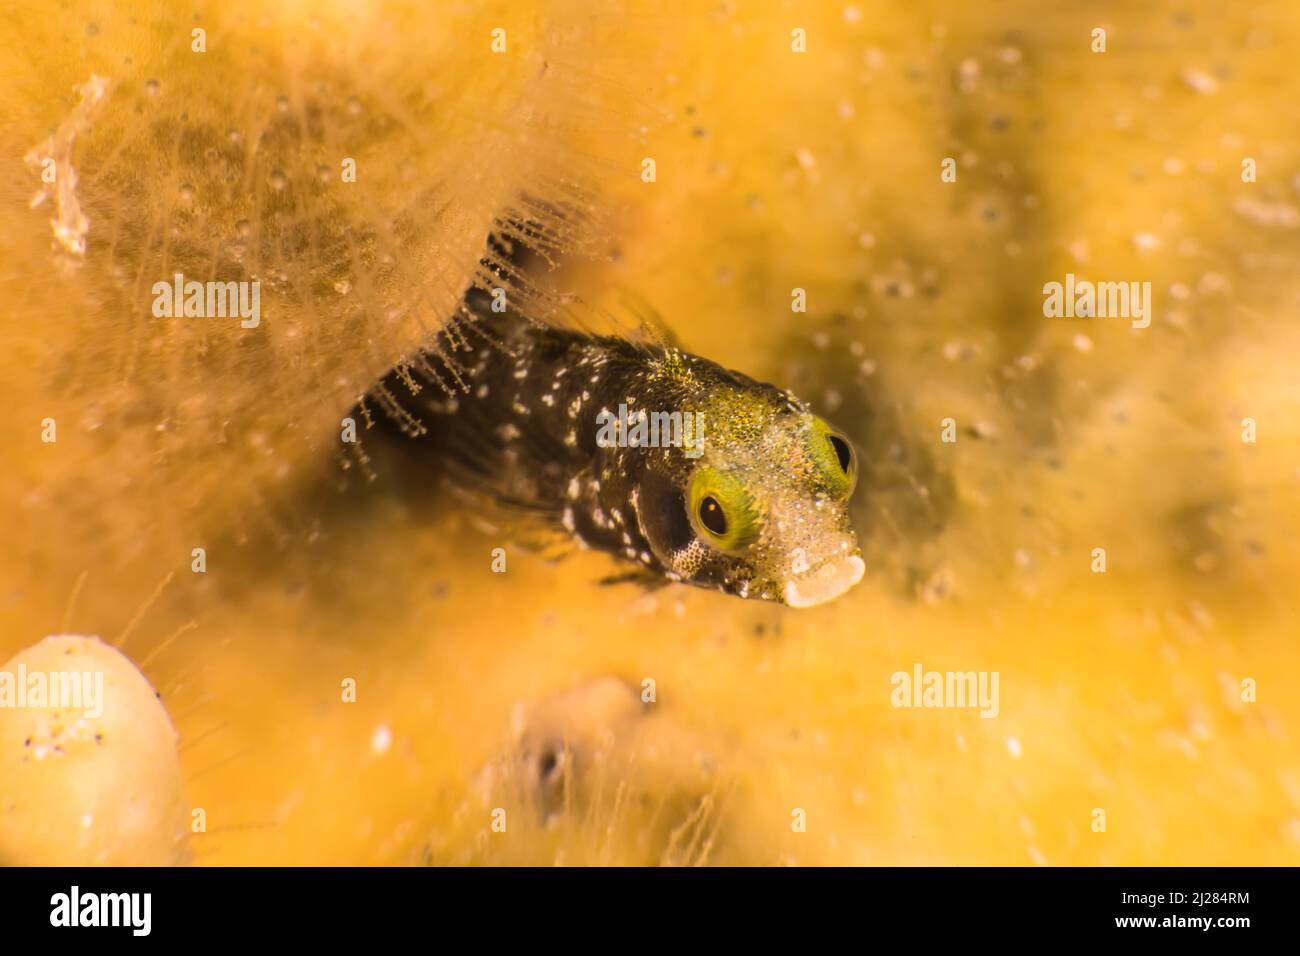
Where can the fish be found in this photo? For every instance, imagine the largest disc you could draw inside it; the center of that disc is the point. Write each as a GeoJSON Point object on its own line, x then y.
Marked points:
{"type": "Point", "coordinates": [679, 468]}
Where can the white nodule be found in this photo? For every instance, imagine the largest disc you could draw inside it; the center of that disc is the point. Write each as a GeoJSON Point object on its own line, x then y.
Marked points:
{"type": "Point", "coordinates": [829, 581]}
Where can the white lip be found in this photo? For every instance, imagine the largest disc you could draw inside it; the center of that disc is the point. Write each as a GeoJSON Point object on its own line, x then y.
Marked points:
{"type": "Point", "coordinates": [829, 581]}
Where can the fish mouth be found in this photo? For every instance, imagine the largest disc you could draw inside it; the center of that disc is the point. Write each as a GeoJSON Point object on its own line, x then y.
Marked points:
{"type": "Point", "coordinates": [828, 582]}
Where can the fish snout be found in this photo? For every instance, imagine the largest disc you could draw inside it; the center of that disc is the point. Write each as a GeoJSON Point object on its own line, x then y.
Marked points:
{"type": "Point", "coordinates": [826, 582]}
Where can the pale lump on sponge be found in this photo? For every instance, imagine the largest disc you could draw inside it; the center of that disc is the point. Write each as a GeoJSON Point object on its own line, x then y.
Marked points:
{"type": "Point", "coordinates": [78, 789]}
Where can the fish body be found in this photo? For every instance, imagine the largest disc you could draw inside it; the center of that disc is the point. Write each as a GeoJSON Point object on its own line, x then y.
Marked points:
{"type": "Point", "coordinates": [664, 459]}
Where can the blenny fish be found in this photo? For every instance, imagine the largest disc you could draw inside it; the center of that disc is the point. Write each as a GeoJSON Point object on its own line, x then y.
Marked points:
{"type": "Point", "coordinates": [749, 495]}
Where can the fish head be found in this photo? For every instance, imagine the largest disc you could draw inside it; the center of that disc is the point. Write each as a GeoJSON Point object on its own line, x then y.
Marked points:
{"type": "Point", "coordinates": [759, 507]}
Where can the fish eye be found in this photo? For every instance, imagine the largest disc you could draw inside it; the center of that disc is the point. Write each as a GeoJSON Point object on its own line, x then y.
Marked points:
{"type": "Point", "coordinates": [711, 516]}
{"type": "Point", "coordinates": [843, 453]}
{"type": "Point", "coordinates": [836, 460]}
{"type": "Point", "coordinates": [722, 511]}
